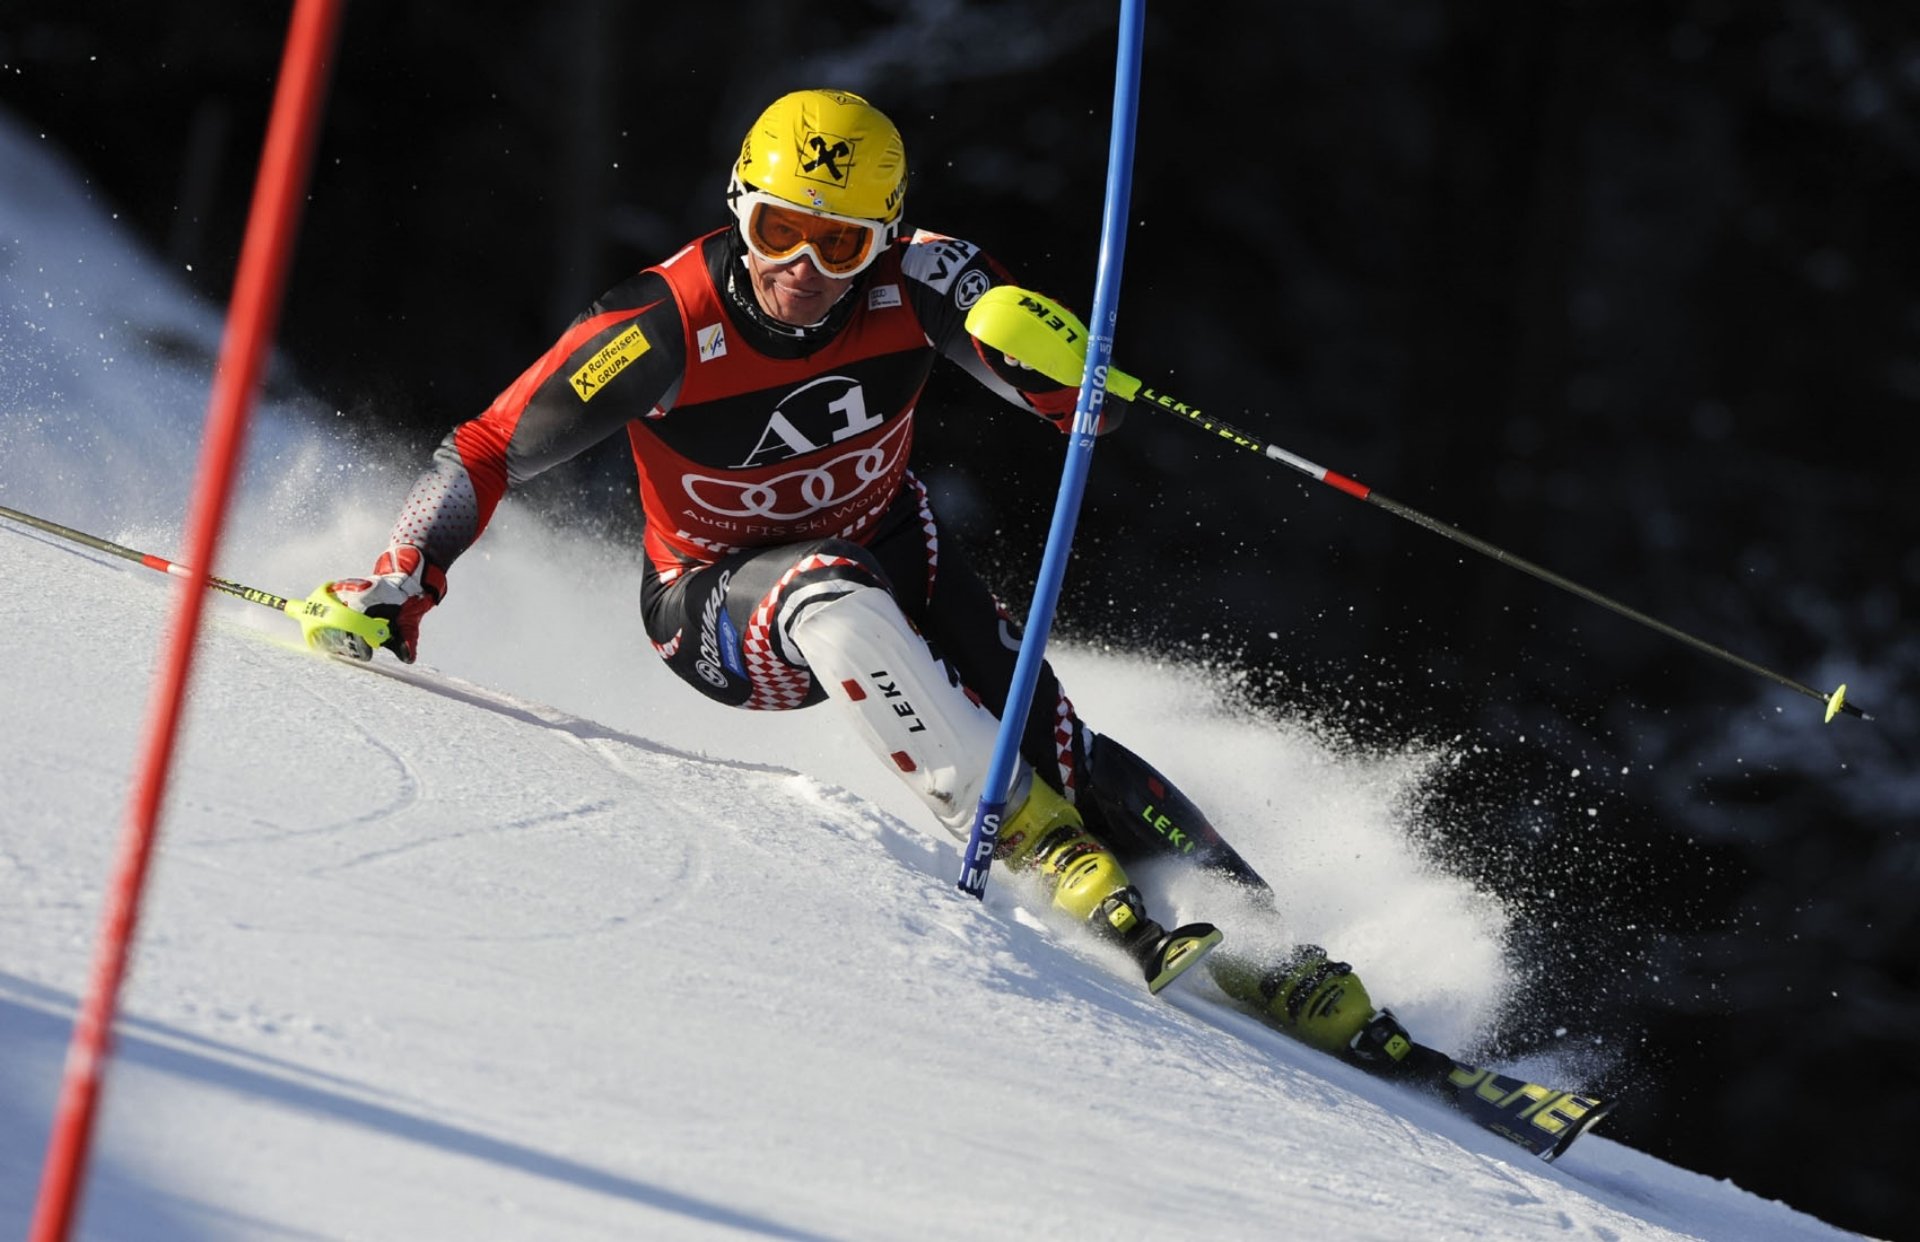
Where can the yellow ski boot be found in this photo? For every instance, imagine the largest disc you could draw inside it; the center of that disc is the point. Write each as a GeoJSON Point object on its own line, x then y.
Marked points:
{"type": "Point", "coordinates": [1046, 837]}
{"type": "Point", "coordinates": [1320, 1002]}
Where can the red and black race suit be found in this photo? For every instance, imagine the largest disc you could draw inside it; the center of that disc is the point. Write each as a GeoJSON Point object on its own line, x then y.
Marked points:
{"type": "Point", "coordinates": [742, 438]}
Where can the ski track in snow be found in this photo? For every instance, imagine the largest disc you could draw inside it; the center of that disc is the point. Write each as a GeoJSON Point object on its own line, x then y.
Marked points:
{"type": "Point", "coordinates": [493, 969]}
{"type": "Point", "coordinates": [538, 944]}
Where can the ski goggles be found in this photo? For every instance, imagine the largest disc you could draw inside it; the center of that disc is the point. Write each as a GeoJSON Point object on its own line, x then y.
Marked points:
{"type": "Point", "coordinates": [779, 232]}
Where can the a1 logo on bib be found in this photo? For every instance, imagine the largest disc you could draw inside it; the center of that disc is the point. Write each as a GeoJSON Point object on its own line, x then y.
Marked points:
{"type": "Point", "coordinates": [825, 411]}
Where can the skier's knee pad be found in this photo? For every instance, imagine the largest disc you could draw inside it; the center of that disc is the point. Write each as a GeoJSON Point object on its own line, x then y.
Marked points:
{"type": "Point", "coordinates": [913, 712]}
{"type": "Point", "coordinates": [1046, 836]}
{"type": "Point", "coordinates": [1318, 1001]}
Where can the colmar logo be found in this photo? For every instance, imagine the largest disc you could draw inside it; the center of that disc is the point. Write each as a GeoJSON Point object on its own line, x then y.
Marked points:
{"type": "Point", "coordinates": [712, 621]}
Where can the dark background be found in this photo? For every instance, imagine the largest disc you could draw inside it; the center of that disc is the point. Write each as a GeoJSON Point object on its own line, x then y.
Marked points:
{"type": "Point", "coordinates": [1627, 288]}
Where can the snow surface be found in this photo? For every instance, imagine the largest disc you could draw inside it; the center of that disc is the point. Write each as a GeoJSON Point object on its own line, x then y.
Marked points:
{"type": "Point", "coordinates": [535, 943]}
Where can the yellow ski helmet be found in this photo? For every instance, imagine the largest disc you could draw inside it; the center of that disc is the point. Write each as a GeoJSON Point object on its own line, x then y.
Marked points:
{"type": "Point", "coordinates": [830, 154]}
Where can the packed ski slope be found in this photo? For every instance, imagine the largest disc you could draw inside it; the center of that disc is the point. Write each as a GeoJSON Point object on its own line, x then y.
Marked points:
{"type": "Point", "coordinates": [537, 944]}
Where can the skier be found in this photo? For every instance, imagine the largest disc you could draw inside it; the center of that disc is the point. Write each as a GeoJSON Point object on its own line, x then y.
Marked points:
{"type": "Point", "coordinates": [766, 377]}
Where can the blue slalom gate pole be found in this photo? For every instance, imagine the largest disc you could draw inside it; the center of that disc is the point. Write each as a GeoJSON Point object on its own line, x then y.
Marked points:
{"type": "Point", "coordinates": [1073, 478]}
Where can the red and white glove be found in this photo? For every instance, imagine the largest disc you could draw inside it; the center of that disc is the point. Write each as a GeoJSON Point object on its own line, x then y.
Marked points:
{"type": "Point", "coordinates": [403, 587]}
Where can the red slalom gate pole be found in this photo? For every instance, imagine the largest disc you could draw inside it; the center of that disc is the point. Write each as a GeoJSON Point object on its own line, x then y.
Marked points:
{"type": "Point", "coordinates": [272, 221]}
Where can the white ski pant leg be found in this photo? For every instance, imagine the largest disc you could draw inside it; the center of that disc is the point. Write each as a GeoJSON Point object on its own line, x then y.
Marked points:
{"type": "Point", "coordinates": [923, 726]}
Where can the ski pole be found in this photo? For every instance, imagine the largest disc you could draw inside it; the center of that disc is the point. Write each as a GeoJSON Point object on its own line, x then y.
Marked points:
{"type": "Point", "coordinates": [319, 611]}
{"type": "Point", "coordinates": [1048, 338]}
{"type": "Point", "coordinates": [1089, 373]}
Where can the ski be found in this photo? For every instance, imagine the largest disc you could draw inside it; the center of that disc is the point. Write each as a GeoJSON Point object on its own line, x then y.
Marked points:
{"type": "Point", "coordinates": [1542, 1119]}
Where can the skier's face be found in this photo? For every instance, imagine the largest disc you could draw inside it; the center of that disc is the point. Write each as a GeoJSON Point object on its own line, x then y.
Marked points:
{"type": "Point", "coordinates": [795, 292]}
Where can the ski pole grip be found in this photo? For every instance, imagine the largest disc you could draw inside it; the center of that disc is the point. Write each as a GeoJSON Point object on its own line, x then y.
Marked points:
{"type": "Point", "coordinates": [321, 611]}
{"type": "Point", "coordinates": [1042, 334]}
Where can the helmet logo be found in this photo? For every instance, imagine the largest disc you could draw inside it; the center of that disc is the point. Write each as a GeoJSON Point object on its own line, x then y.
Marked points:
{"type": "Point", "coordinates": [828, 151]}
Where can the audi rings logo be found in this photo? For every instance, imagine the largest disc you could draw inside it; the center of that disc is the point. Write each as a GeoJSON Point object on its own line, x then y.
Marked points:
{"type": "Point", "coordinates": [795, 494]}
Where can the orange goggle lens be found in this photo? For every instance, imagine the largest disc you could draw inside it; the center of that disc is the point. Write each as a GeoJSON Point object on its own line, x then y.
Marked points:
{"type": "Point", "coordinates": [840, 247]}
